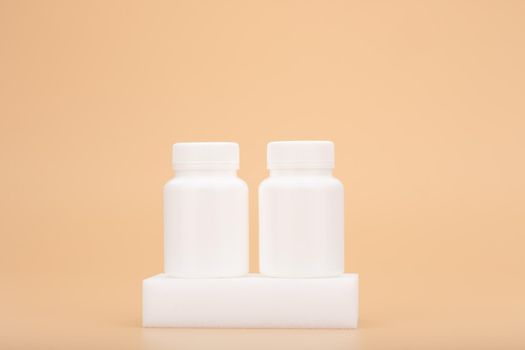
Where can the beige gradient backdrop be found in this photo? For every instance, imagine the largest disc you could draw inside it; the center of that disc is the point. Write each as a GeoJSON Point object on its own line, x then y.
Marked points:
{"type": "Point", "coordinates": [424, 100]}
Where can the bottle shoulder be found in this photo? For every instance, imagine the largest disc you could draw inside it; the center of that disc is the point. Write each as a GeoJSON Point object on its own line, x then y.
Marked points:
{"type": "Point", "coordinates": [301, 182]}
{"type": "Point", "coordinates": [201, 182]}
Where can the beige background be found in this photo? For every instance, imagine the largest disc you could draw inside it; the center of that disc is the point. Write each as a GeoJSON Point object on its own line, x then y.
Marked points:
{"type": "Point", "coordinates": [424, 100]}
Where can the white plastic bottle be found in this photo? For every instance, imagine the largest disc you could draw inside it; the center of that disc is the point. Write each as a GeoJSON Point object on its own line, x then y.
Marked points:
{"type": "Point", "coordinates": [206, 212]}
{"type": "Point", "coordinates": [301, 212]}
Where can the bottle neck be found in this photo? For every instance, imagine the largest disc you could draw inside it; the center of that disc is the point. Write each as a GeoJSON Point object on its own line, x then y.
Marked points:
{"type": "Point", "coordinates": [301, 172]}
{"type": "Point", "coordinates": [206, 172]}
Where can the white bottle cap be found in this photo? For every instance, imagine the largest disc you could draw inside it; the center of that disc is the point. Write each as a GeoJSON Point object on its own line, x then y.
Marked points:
{"type": "Point", "coordinates": [205, 155]}
{"type": "Point", "coordinates": [301, 154]}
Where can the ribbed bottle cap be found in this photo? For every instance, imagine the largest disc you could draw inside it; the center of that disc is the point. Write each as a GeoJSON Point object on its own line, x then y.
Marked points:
{"type": "Point", "coordinates": [205, 155]}
{"type": "Point", "coordinates": [300, 154]}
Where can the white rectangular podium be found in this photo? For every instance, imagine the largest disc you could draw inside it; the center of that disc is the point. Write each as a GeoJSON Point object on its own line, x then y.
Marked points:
{"type": "Point", "coordinates": [253, 301]}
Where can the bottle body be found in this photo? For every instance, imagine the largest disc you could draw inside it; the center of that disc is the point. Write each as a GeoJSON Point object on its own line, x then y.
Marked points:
{"type": "Point", "coordinates": [301, 228]}
{"type": "Point", "coordinates": [206, 226]}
